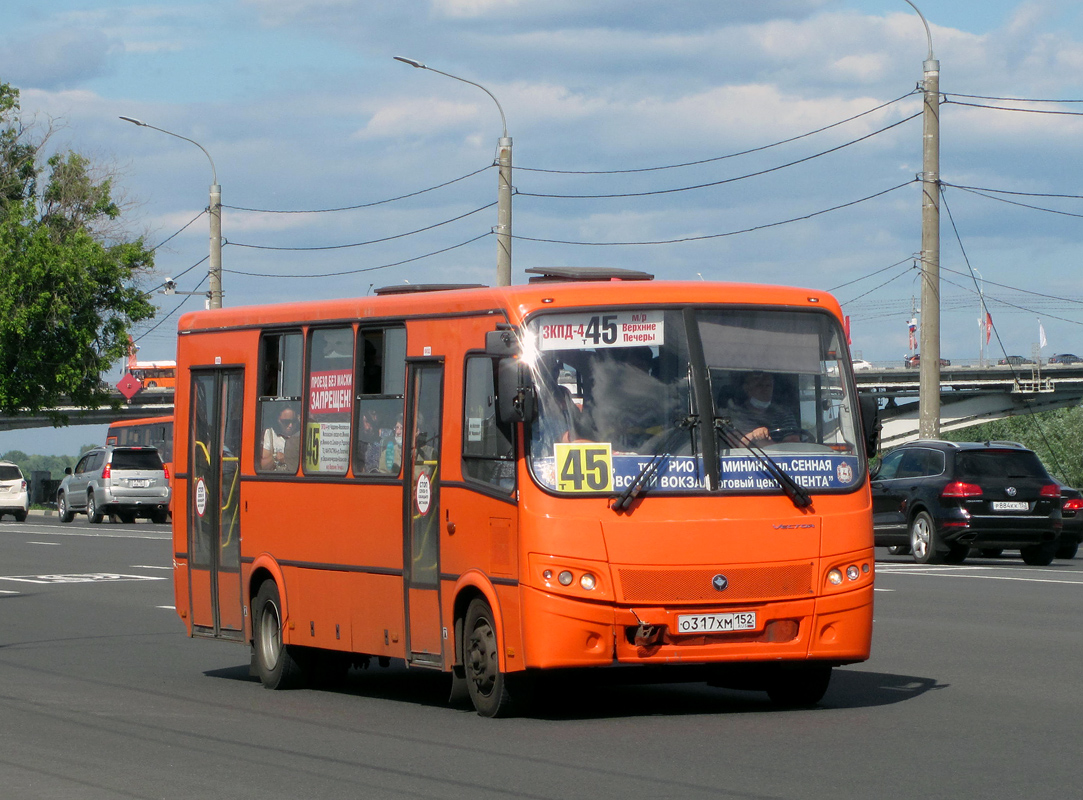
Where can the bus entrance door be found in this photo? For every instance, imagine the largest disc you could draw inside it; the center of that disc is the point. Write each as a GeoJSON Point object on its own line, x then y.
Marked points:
{"type": "Point", "coordinates": [214, 519]}
{"type": "Point", "coordinates": [421, 506]}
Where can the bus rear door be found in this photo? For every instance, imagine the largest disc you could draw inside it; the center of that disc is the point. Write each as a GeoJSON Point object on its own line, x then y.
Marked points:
{"type": "Point", "coordinates": [213, 503]}
{"type": "Point", "coordinates": [421, 506]}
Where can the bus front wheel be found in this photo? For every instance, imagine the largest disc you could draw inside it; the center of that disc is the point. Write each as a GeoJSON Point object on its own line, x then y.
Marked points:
{"type": "Point", "coordinates": [489, 687]}
{"type": "Point", "coordinates": [799, 685]}
{"type": "Point", "coordinates": [277, 667]}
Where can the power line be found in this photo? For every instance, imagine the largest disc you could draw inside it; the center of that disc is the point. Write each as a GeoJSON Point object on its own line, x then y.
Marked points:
{"type": "Point", "coordinates": [362, 205]}
{"type": "Point", "coordinates": [364, 269]}
{"type": "Point", "coordinates": [363, 244]}
{"type": "Point", "coordinates": [1016, 202]}
{"type": "Point", "coordinates": [863, 277]}
{"type": "Point", "coordinates": [1020, 110]}
{"type": "Point", "coordinates": [724, 181]}
{"type": "Point", "coordinates": [720, 235]}
{"type": "Point", "coordinates": [718, 158]}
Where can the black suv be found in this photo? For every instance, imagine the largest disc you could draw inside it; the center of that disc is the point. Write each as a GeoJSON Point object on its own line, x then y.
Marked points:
{"type": "Point", "coordinates": [938, 499]}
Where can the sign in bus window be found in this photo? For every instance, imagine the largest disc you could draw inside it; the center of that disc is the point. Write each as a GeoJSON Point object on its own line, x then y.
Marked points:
{"type": "Point", "coordinates": [329, 402]}
{"type": "Point", "coordinates": [584, 466]}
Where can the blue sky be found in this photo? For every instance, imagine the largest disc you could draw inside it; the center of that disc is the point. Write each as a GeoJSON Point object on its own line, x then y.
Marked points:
{"type": "Point", "coordinates": [302, 107]}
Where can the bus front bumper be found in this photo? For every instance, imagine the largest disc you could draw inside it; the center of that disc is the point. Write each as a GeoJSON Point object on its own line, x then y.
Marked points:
{"type": "Point", "coordinates": [565, 632]}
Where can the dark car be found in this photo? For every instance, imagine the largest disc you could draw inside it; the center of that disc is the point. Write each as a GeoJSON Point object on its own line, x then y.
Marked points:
{"type": "Point", "coordinates": [938, 499]}
{"type": "Point", "coordinates": [1014, 361]}
{"type": "Point", "coordinates": [1072, 515]}
{"type": "Point", "coordinates": [914, 361]}
{"type": "Point", "coordinates": [1065, 358]}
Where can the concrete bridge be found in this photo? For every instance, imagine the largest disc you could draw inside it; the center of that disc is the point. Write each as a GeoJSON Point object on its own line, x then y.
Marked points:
{"type": "Point", "coordinates": [970, 395]}
{"type": "Point", "coordinates": [147, 403]}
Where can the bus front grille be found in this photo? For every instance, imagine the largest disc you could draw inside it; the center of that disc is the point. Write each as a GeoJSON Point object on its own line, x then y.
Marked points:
{"type": "Point", "coordinates": [697, 584]}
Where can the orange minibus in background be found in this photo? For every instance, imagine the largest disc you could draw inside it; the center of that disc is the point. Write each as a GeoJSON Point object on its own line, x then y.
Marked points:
{"type": "Point", "coordinates": [506, 483]}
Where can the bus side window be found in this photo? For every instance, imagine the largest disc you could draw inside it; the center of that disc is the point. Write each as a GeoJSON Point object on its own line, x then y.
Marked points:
{"type": "Point", "coordinates": [278, 449]}
{"type": "Point", "coordinates": [381, 355]}
{"type": "Point", "coordinates": [488, 449]}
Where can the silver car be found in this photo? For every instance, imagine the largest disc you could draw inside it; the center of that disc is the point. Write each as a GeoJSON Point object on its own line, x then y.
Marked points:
{"type": "Point", "coordinates": [14, 498]}
{"type": "Point", "coordinates": [129, 482]}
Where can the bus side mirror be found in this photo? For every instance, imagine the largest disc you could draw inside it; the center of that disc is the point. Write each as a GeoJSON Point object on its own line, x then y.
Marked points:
{"type": "Point", "coordinates": [870, 423]}
{"type": "Point", "coordinates": [515, 398]}
{"type": "Point", "coordinates": [501, 343]}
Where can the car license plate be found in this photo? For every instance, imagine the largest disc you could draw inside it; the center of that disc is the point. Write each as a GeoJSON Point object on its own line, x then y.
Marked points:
{"type": "Point", "coordinates": [716, 623]}
{"type": "Point", "coordinates": [1010, 505]}
{"type": "Point", "coordinates": [139, 483]}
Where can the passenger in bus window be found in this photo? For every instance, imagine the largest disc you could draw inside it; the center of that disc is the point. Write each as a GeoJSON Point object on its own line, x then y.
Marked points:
{"type": "Point", "coordinates": [282, 443]}
{"type": "Point", "coordinates": [391, 450]}
{"type": "Point", "coordinates": [368, 441]}
{"type": "Point", "coordinates": [756, 415]}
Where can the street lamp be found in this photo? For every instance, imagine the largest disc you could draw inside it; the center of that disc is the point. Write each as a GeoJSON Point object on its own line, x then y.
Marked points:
{"type": "Point", "coordinates": [503, 194]}
{"type": "Point", "coordinates": [929, 378]}
{"type": "Point", "coordinates": [214, 211]}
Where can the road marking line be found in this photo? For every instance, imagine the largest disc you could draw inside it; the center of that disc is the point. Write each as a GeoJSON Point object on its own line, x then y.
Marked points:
{"type": "Point", "coordinates": [47, 544]}
{"type": "Point", "coordinates": [7, 591]}
{"type": "Point", "coordinates": [993, 577]}
{"type": "Point", "coordinates": [149, 566]}
{"type": "Point", "coordinates": [171, 608]}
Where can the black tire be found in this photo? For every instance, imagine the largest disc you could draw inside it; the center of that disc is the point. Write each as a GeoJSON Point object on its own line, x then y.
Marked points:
{"type": "Point", "coordinates": [490, 689]}
{"type": "Point", "coordinates": [20, 516]}
{"type": "Point", "coordinates": [924, 541]}
{"type": "Point", "coordinates": [799, 685]}
{"type": "Point", "coordinates": [957, 554]}
{"type": "Point", "coordinates": [93, 514]}
{"type": "Point", "coordinates": [127, 517]}
{"type": "Point", "coordinates": [159, 517]}
{"type": "Point", "coordinates": [275, 664]}
{"type": "Point", "coordinates": [991, 552]}
{"type": "Point", "coordinates": [899, 549]}
{"type": "Point", "coordinates": [1067, 550]}
{"type": "Point", "coordinates": [1039, 555]}
{"type": "Point", "coordinates": [63, 509]}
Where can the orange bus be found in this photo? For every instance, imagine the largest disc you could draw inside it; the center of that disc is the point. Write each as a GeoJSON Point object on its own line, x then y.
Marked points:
{"type": "Point", "coordinates": [499, 483]}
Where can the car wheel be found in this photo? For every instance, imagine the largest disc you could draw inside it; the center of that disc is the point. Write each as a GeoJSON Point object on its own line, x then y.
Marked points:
{"type": "Point", "coordinates": [159, 517]}
{"type": "Point", "coordinates": [93, 513]}
{"type": "Point", "coordinates": [63, 509]}
{"type": "Point", "coordinates": [923, 539]}
{"type": "Point", "coordinates": [799, 685]}
{"type": "Point", "coordinates": [491, 690]}
{"type": "Point", "coordinates": [277, 667]}
{"type": "Point", "coordinates": [899, 550]}
{"type": "Point", "coordinates": [127, 517]}
{"type": "Point", "coordinates": [20, 516]}
{"type": "Point", "coordinates": [957, 554]}
{"type": "Point", "coordinates": [1067, 550]}
{"type": "Point", "coordinates": [1039, 555]}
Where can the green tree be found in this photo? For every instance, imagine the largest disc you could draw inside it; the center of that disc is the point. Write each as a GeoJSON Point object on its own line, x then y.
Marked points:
{"type": "Point", "coordinates": [68, 275]}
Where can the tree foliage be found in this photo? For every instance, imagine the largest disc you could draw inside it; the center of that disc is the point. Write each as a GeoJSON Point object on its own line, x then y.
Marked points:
{"type": "Point", "coordinates": [68, 276]}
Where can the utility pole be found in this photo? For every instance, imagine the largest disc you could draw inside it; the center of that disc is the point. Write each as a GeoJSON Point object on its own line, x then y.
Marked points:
{"type": "Point", "coordinates": [929, 379]}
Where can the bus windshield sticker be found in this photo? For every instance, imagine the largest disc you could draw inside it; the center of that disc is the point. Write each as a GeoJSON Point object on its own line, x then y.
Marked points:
{"type": "Point", "coordinates": [584, 466]}
{"type": "Point", "coordinates": [474, 429]}
{"type": "Point", "coordinates": [331, 392]}
{"type": "Point", "coordinates": [327, 446]}
{"type": "Point", "coordinates": [584, 330]}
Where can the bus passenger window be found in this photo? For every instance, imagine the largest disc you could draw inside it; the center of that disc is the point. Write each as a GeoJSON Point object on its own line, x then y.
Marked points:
{"type": "Point", "coordinates": [279, 412]}
{"type": "Point", "coordinates": [329, 401]}
{"type": "Point", "coordinates": [488, 452]}
{"type": "Point", "coordinates": [382, 371]}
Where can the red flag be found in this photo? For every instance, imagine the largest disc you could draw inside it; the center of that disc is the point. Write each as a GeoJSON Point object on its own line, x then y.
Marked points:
{"type": "Point", "coordinates": [846, 326]}
{"type": "Point", "coordinates": [988, 327]}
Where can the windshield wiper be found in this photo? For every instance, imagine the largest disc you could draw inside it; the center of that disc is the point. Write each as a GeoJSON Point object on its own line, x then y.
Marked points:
{"type": "Point", "coordinates": [641, 482]}
{"type": "Point", "coordinates": [732, 437]}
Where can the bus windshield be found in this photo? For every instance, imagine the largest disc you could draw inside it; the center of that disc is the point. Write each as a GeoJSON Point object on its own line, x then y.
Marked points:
{"type": "Point", "coordinates": [719, 399]}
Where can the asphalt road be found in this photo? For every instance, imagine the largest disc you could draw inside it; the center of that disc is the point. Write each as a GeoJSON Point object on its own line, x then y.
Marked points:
{"type": "Point", "coordinates": [974, 690]}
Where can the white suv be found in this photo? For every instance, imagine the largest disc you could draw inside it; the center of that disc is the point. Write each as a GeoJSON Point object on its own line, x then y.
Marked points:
{"type": "Point", "coordinates": [14, 498]}
{"type": "Point", "coordinates": [127, 481]}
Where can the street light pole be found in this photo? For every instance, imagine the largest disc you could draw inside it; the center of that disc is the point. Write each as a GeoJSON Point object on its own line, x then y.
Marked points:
{"type": "Point", "coordinates": [214, 211]}
{"type": "Point", "coordinates": [503, 189]}
{"type": "Point", "coordinates": [929, 378]}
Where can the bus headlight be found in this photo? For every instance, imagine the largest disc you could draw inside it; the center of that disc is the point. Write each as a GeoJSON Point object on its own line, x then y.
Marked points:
{"type": "Point", "coordinates": [587, 581]}
{"type": "Point", "coordinates": [835, 576]}
{"type": "Point", "coordinates": [565, 578]}
{"type": "Point", "coordinates": [852, 572]}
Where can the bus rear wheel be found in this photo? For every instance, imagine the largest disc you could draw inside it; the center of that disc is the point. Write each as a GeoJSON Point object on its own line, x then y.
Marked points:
{"type": "Point", "coordinates": [489, 687]}
{"type": "Point", "coordinates": [277, 667]}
